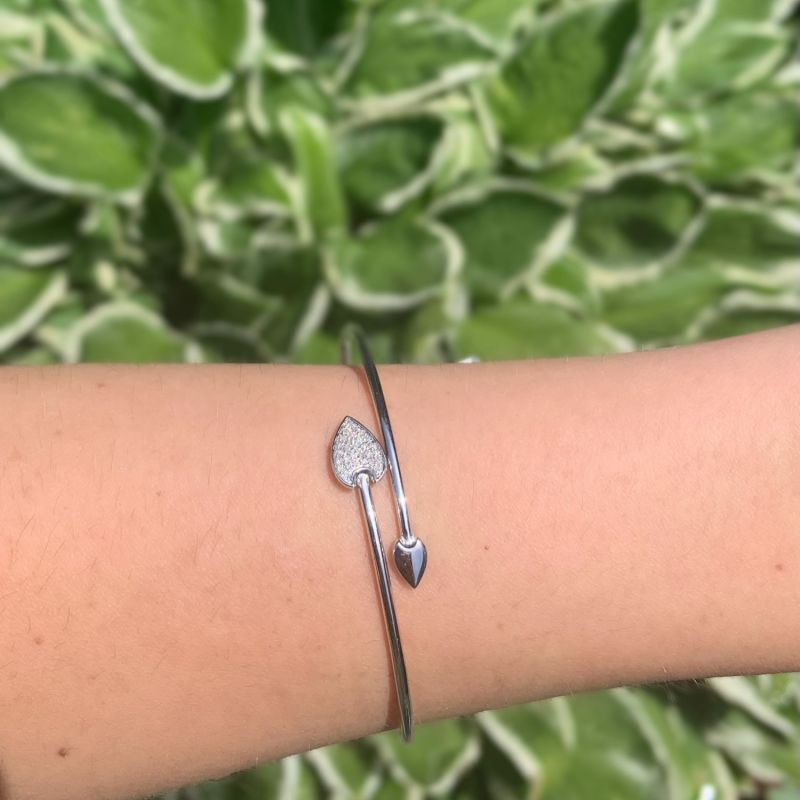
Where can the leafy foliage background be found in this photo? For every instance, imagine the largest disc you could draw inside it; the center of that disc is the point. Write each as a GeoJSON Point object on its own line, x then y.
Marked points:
{"type": "Point", "coordinates": [221, 181]}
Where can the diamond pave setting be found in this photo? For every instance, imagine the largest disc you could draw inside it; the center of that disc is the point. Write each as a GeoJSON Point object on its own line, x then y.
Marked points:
{"type": "Point", "coordinates": [356, 450]}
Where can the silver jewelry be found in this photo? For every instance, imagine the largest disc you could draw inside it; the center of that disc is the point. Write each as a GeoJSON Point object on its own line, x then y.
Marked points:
{"type": "Point", "coordinates": [358, 461]}
{"type": "Point", "coordinates": [410, 554]}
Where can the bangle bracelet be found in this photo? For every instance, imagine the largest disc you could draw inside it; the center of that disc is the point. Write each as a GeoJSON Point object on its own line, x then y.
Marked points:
{"type": "Point", "coordinates": [359, 460]}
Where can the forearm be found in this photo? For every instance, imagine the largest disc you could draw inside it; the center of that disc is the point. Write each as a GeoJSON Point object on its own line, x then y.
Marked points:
{"type": "Point", "coordinates": [185, 589]}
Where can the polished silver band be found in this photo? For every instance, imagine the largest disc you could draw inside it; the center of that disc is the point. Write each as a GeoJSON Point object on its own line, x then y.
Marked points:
{"type": "Point", "coordinates": [358, 461]}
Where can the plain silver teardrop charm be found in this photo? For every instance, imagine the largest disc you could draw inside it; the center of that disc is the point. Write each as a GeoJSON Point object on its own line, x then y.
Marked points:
{"type": "Point", "coordinates": [411, 560]}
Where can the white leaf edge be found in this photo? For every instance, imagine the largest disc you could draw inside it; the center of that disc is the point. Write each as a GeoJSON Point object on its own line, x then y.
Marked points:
{"type": "Point", "coordinates": [548, 155]}
{"type": "Point", "coordinates": [324, 761]}
{"type": "Point", "coordinates": [446, 78]}
{"type": "Point", "coordinates": [738, 691]}
{"type": "Point", "coordinates": [254, 15]}
{"type": "Point", "coordinates": [120, 309]}
{"type": "Point", "coordinates": [545, 252]}
{"type": "Point", "coordinates": [633, 700]}
{"type": "Point", "coordinates": [605, 277]}
{"type": "Point", "coordinates": [52, 294]}
{"type": "Point", "coordinates": [396, 198]}
{"type": "Point", "coordinates": [350, 293]}
{"type": "Point", "coordinates": [442, 785]}
{"type": "Point", "coordinates": [12, 159]}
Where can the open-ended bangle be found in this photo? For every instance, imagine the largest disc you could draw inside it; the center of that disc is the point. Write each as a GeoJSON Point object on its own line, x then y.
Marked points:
{"type": "Point", "coordinates": [358, 461]}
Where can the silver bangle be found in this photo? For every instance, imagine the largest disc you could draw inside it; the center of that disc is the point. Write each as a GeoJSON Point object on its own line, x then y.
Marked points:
{"type": "Point", "coordinates": [359, 460]}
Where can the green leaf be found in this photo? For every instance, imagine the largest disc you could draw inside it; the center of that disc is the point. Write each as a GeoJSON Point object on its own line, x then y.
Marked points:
{"type": "Point", "coordinates": [305, 26]}
{"type": "Point", "coordinates": [584, 746]}
{"type": "Point", "coordinates": [288, 330]}
{"type": "Point", "coordinates": [435, 759]}
{"type": "Point", "coordinates": [69, 42]}
{"type": "Point", "coordinates": [31, 357]}
{"type": "Point", "coordinates": [693, 767]}
{"type": "Point", "coordinates": [760, 753]}
{"type": "Point", "coordinates": [386, 163]}
{"type": "Point", "coordinates": [36, 230]}
{"type": "Point", "coordinates": [25, 298]}
{"type": "Point", "coordinates": [663, 308]}
{"type": "Point", "coordinates": [371, 271]}
{"type": "Point", "coordinates": [571, 174]}
{"type": "Point", "coordinates": [496, 19]}
{"type": "Point", "coordinates": [88, 15]}
{"type": "Point", "coordinates": [464, 155]}
{"type": "Point", "coordinates": [738, 321]}
{"type": "Point", "coordinates": [220, 343]}
{"type": "Point", "coordinates": [493, 20]}
{"type": "Point", "coordinates": [743, 692]}
{"type": "Point", "coordinates": [72, 134]}
{"type": "Point", "coordinates": [289, 779]}
{"type": "Point", "coordinates": [410, 55]}
{"type": "Point", "coordinates": [559, 75]}
{"type": "Point", "coordinates": [346, 770]}
{"type": "Point", "coordinates": [647, 58]}
{"type": "Point", "coordinates": [250, 186]}
{"type": "Point", "coordinates": [19, 35]}
{"type": "Point", "coordinates": [324, 207]}
{"type": "Point", "coordinates": [610, 756]}
{"type": "Point", "coordinates": [740, 136]}
{"type": "Point", "coordinates": [750, 10]}
{"type": "Point", "coordinates": [514, 221]}
{"type": "Point", "coordinates": [748, 236]}
{"type": "Point", "coordinates": [226, 239]}
{"type": "Point", "coordinates": [271, 90]}
{"type": "Point", "coordinates": [189, 46]}
{"type": "Point", "coordinates": [221, 297]}
{"type": "Point", "coordinates": [318, 349]}
{"type": "Point", "coordinates": [523, 328]}
{"type": "Point", "coordinates": [427, 333]}
{"type": "Point", "coordinates": [731, 55]}
{"type": "Point", "coordinates": [635, 223]}
{"type": "Point", "coordinates": [124, 332]}
{"type": "Point", "coordinates": [500, 778]}
{"type": "Point", "coordinates": [656, 12]}
{"type": "Point", "coordinates": [570, 275]}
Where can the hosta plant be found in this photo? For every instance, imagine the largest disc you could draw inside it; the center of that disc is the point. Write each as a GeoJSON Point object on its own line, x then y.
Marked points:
{"type": "Point", "coordinates": [235, 180]}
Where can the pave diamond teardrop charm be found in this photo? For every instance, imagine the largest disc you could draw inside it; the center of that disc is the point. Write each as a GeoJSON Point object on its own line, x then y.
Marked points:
{"type": "Point", "coordinates": [356, 450]}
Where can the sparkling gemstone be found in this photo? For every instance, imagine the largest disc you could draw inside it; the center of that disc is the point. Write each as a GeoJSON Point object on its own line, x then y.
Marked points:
{"type": "Point", "coordinates": [356, 450]}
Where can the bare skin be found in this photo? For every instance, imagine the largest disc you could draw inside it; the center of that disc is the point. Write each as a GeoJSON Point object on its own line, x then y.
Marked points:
{"type": "Point", "coordinates": [185, 590]}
